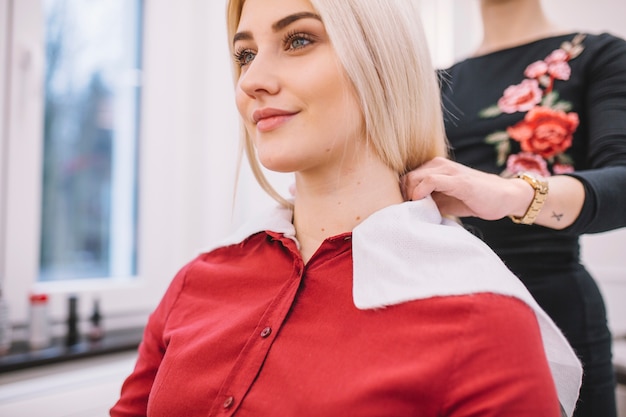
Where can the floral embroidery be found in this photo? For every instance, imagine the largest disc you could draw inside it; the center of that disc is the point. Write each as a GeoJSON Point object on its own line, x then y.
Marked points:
{"type": "Point", "coordinates": [521, 97]}
{"type": "Point", "coordinates": [547, 129]}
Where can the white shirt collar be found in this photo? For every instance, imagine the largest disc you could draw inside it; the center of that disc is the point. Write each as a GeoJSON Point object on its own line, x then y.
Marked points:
{"type": "Point", "coordinates": [422, 255]}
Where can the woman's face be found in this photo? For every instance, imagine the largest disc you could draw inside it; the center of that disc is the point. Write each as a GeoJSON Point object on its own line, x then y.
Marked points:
{"type": "Point", "coordinates": [293, 95]}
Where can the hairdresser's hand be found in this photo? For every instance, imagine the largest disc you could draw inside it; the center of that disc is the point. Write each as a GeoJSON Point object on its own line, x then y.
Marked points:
{"type": "Point", "coordinates": [464, 192]}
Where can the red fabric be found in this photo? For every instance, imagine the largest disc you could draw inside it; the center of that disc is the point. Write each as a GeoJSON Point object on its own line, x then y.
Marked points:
{"type": "Point", "coordinates": [248, 330]}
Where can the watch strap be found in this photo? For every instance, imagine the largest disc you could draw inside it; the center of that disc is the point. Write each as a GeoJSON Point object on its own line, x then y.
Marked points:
{"type": "Point", "coordinates": [540, 197]}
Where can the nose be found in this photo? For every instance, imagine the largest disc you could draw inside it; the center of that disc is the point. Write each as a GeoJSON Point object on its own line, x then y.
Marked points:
{"type": "Point", "coordinates": [260, 77]}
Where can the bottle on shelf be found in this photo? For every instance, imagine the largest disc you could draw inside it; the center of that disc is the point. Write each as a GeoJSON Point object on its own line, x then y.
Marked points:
{"type": "Point", "coordinates": [39, 335]}
{"type": "Point", "coordinates": [96, 331]}
{"type": "Point", "coordinates": [72, 336]}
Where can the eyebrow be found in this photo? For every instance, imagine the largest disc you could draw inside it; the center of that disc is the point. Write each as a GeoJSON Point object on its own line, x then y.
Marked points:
{"type": "Point", "coordinates": [279, 25]}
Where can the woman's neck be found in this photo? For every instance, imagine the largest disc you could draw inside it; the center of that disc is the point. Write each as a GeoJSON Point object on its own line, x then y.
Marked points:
{"type": "Point", "coordinates": [512, 23]}
{"type": "Point", "coordinates": [337, 203]}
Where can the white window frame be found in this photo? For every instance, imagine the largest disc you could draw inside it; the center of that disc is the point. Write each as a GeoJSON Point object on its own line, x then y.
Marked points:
{"type": "Point", "coordinates": [4, 50]}
{"type": "Point", "coordinates": [180, 208]}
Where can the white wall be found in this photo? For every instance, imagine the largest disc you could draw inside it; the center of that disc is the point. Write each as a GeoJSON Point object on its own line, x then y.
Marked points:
{"type": "Point", "coordinates": [209, 123]}
{"type": "Point", "coordinates": [4, 11]}
{"type": "Point", "coordinates": [593, 16]}
{"type": "Point", "coordinates": [584, 15]}
{"type": "Point", "coordinates": [194, 113]}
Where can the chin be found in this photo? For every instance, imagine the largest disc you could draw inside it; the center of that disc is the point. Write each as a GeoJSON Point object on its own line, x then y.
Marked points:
{"type": "Point", "coordinates": [279, 163]}
{"type": "Point", "coordinates": [275, 166]}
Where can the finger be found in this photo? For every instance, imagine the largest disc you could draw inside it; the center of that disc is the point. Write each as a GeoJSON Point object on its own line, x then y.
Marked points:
{"type": "Point", "coordinates": [435, 166]}
{"type": "Point", "coordinates": [413, 179]}
{"type": "Point", "coordinates": [449, 206]}
{"type": "Point", "coordinates": [449, 185]}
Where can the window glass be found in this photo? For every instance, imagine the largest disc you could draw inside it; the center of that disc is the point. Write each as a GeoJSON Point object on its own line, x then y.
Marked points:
{"type": "Point", "coordinates": [91, 124]}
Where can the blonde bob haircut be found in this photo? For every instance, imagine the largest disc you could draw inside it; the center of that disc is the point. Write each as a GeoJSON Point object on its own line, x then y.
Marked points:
{"type": "Point", "coordinates": [383, 49]}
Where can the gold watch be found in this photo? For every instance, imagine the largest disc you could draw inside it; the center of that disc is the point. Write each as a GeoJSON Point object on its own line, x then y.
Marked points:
{"type": "Point", "coordinates": [541, 195]}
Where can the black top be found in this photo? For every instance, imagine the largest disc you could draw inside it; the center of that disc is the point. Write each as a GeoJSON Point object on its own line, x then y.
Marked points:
{"type": "Point", "coordinates": [576, 83]}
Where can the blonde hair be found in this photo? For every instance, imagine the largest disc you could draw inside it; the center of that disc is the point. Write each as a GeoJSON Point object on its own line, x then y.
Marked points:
{"type": "Point", "coordinates": [383, 49]}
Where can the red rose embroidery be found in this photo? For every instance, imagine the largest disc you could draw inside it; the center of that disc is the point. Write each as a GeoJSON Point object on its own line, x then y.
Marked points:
{"type": "Point", "coordinates": [521, 97]}
{"type": "Point", "coordinates": [544, 131]}
{"type": "Point", "coordinates": [527, 162]}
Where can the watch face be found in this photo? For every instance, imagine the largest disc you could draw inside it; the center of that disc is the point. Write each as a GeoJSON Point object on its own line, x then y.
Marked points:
{"type": "Point", "coordinates": [538, 183]}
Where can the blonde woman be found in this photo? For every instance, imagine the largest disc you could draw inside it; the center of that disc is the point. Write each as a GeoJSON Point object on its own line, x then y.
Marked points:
{"type": "Point", "coordinates": [345, 301]}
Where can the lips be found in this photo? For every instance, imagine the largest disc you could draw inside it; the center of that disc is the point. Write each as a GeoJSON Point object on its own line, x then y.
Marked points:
{"type": "Point", "coordinates": [269, 119]}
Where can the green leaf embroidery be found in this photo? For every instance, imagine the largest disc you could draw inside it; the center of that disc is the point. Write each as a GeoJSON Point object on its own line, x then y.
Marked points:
{"type": "Point", "coordinates": [550, 98]}
{"type": "Point", "coordinates": [502, 143]}
{"type": "Point", "coordinates": [504, 149]}
{"type": "Point", "coordinates": [496, 137]}
{"type": "Point", "coordinates": [544, 81]}
{"type": "Point", "coordinates": [565, 106]}
{"type": "Point", "coordinates": [491, 111]}
{"type": "Point", "coordinates": [564, 159]}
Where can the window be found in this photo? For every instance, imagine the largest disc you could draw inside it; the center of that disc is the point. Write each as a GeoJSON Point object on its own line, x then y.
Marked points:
{"type": "Point", "coordinates": [70, 94]}
{"type": "Point", "coordinates": [90, 132]}
{"type": "Point", "coordinates": [140, 200]}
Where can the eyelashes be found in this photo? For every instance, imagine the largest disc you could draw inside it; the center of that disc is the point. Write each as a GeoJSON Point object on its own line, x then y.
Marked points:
{"type": "Point", "coordinates": [292, 41]}
{"type": "Point", "coordinates": [297, 40]}
{"type": "Point", "coordinates": [243, 56]}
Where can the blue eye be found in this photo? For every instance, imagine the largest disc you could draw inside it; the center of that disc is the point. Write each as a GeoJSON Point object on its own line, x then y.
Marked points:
{"type": "Point", "coordinates": [299, 43]}
{"type": "Point", "coordinates": [297, 40]}
{"type": "Point", "coordinates": [244, 57]}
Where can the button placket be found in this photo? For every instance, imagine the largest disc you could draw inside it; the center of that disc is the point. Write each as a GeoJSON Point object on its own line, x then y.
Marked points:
{"type": "Point", "coordinates": [266, 332]}
{"type": "Point", "coordinates": [228, 402]}
{"type": "Point", "coordinates": [254, 352]}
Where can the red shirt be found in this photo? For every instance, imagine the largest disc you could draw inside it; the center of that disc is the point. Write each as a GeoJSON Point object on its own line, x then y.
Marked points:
{"type": "Point", "coordinates": [249, 330]}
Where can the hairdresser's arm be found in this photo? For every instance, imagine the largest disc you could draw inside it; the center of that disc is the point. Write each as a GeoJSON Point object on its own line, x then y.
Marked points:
{"type": "Point", "coordinates": [604, 175]}
{"type": "Point", "coordinates": [466, 192]}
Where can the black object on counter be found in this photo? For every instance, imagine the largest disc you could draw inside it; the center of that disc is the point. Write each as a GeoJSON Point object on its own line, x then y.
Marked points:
{"type": "Point", "coordinates": [96, 331]}
{"type": "Point", "coordinates": [73, 333]}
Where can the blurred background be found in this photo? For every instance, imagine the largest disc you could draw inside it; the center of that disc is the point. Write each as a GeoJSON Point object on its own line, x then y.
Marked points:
{"type": "Point", "coordinates": [118, 161]}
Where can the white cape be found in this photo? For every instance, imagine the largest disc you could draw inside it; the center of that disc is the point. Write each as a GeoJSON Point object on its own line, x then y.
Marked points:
{"type": "Point", "coordinates": [399, 240]}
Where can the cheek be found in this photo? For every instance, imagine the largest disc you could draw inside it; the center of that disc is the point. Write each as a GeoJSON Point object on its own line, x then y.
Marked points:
{"type": "Point", "coordinates": [341, 110]}
{"type": "Point", "coordinates": [334, 97]}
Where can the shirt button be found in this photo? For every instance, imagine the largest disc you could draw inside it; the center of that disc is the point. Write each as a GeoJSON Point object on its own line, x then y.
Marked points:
{"type": "Point", "coordinates": [266, 332]}
{"type": "Point", "coordinates": [229, 402]}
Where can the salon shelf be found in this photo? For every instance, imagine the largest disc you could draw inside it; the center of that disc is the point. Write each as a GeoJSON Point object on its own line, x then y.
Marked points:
{"type": "Point", "coordinates": [21, 357]}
